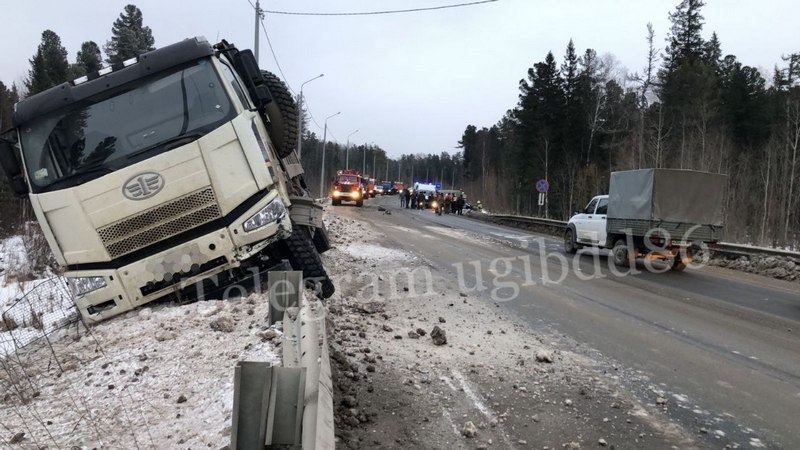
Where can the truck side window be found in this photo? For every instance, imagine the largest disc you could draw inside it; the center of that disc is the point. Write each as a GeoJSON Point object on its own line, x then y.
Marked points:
{"type": "Point", "coordinates": [602, 207]}
{"type": "Point", "coordinates": [590, 207]}
{"type": "Point", "coordinates": [236, 86]}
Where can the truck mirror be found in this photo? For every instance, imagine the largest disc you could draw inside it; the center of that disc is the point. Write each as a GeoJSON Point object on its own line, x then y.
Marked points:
{"type": "Point", "coordinates": [245, 63]}
{"type": "Point", "coordinates": [11, 165]}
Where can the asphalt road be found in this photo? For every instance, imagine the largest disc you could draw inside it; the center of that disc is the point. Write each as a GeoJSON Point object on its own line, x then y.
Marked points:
{"type": "Point", "coordinates": [723, 347]}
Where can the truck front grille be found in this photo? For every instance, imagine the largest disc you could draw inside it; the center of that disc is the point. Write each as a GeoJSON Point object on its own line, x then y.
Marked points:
{"type": "Point", "coordinates": [160, 222]}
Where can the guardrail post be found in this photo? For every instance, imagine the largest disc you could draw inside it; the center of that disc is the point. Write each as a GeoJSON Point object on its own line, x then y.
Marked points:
{"type": "Point", "coordinates": [285, 289]}
{"type": "Point", "coordinates": [252, 385]}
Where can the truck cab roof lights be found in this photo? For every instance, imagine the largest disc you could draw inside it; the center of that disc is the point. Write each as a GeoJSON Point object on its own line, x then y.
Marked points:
{"type": "Point", "coordinates": [80, 80]}
{"type": "Point", "coordinates": [129, 62]}
{"type": "Point", "coordinates": [104, 71]}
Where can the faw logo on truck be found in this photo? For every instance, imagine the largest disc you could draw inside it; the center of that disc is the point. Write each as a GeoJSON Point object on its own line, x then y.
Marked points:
{"type": "Point", "coordinates": [143, 185]}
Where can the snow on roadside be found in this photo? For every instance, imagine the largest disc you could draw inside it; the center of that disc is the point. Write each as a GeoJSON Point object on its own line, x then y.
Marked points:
{"type": "Point", "coordinates": [159, 377]}
{"type": "Point", "coordinates": [373, 251]}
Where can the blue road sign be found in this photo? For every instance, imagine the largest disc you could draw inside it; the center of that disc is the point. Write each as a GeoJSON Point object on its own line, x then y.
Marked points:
{"type": "Point", "coordinates": [438, 185]}
{"type": "Point", "coordinates": [542, 186]}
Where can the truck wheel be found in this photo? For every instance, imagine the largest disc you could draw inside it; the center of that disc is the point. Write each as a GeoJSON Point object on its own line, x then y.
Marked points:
{"type": "Point", "coordinates": [678, 265]}
{"type": "Point", "coordinates": [283, 115]}
{"type": "Point", "coordinates": [299, 250]}
{"type": "Point", "coordinates": [620, 254]}
{"type": "Point", "coordinates": [321, 241]}
{"type": "Point", "coordinates": [360, 203]}
{"type": "Point", "coordinates": [336, 202]}
{"type": "Point", "coordinates": [569, 242]}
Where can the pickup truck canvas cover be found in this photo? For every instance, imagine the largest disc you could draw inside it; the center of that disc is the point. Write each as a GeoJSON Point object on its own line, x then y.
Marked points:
{"type": "Point", "coordinates": [668, 195]}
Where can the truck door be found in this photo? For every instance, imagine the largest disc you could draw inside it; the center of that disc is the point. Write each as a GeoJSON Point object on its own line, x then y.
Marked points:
{"type": "Point", "coordinates": [582, 221]}
{"type": "Point", "coordinates": [596, 223]}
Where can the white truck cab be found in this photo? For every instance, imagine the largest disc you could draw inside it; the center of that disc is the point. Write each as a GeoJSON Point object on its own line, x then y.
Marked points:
{"type": "Point", "coordinates": [588, 227]}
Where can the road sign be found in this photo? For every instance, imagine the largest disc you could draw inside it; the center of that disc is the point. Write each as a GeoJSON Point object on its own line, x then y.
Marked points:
{"type": "Point", "coordinates": [542, 185]}
{"type": "Point", "coordinates": [438, 185]}
{"type": "Point", "coordinates": [541, 198]}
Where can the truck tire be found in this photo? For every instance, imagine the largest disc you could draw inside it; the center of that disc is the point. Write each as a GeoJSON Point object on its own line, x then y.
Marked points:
{"type": "Point", "coordinates": [569, 242]}
{"type": "Point", "coordinates": [678, 265]}
{"type": "Point", "coordinates": [299, 250]}
{"type": "Point", "coordinates": [321, 241]}
{"type": "Point", "coordinates": [283, 115]}
{"type": "Point", "coordinates": [619, 253]}
{"type": "Point", "coordinates": [360, 203]}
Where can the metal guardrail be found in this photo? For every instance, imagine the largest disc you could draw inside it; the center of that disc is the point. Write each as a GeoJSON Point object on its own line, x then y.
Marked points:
{"type": "Point", "coordinates": [289, 406]}
{"type": "Point", "coordinates": [720, 247]}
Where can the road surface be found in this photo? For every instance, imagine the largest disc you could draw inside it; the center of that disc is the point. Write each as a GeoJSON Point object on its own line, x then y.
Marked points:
{"type": "Point", "coordinates": [722, 347]}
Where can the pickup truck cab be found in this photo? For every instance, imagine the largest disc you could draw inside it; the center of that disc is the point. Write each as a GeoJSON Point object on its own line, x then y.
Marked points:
{"type": "Point", "coordinates": [588, 227]}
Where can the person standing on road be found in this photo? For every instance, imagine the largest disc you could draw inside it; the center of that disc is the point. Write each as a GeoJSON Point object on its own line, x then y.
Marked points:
{"type": "Point", "coordinates": [460, 204]}
{"type": "Point", "coordinates": [402, 199]}
{"type": "Point", "coordinates": [407, 195]}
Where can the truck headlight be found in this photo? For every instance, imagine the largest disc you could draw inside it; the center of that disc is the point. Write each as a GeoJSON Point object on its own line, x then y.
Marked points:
{"type": "Point", "coordinates": [274, 211]}
{"type": "Point", "coordinates": [84, 285]}
{"type": "Point", "coordinates": [336, 193]}
{"type": "Point", "coordinates": [356, 194]}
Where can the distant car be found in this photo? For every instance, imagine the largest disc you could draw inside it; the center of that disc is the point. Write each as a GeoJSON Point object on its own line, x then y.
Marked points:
{"type": "Point", "coordinates": [379, 190]}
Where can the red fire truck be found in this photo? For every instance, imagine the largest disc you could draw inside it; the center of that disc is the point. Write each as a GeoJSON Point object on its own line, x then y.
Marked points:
{"type": "Point", "coordinates": [347, 187]}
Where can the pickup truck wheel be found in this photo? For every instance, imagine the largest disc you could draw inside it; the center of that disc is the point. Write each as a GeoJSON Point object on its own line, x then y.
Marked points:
{"type": "Point", "coordinates": [302, 255]}
{"type": "Point", "coordinates": [283, 115]}
{"type": "Point", "coordinates": [569, 242]}
{"type": "Point", "coordinates": [620, 254]}
{"type": "Point", "coordinates": [678, 265]}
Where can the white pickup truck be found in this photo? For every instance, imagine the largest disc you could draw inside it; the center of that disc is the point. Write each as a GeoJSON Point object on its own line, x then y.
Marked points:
{"type": "Point", "coordinates": [658, 214]}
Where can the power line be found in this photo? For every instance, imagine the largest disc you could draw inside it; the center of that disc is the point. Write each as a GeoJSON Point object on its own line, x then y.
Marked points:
{"type": "Point", "coordinates": [308, 110]}
{"type": "Point", "coordinates": [374, 13]}
{"type": "Point", "coordinates": [285, 80]}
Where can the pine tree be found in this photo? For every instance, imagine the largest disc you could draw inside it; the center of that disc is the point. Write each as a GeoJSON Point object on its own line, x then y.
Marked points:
{"type": "Point", "coordinates": [684, 39]}
{"type": "Point", "coordinates": [129, 38]}
{"type": "Point", "coordinates": [49, 66]}
{"type": "Point", "coordinates": [89, 57]}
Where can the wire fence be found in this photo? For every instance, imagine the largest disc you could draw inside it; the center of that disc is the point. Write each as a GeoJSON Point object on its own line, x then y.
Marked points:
{"type": "Point", "coordinates": [47, 307]}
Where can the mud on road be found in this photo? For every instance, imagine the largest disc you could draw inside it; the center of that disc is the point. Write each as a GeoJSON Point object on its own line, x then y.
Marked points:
{"type": "Point", "coordinates": [495, 383]}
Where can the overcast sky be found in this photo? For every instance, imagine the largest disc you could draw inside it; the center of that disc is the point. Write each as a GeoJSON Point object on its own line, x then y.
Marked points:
{"type": "Point", "coordinates": [409, 82]}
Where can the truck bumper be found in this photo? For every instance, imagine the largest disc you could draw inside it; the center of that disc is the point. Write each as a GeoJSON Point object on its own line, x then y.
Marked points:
{"type": "Point", "coordinates": [178, 268]}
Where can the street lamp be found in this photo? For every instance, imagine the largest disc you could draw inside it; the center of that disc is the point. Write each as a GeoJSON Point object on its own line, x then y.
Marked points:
{"type": "Point", "coordinates": [300, 112]}
{"type": "Point", "coordinates": [347, 151]}
{"type": "Point", "coordinates": [324, 138]}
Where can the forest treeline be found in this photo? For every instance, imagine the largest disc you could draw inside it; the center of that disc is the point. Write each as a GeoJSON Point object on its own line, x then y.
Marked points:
{"type": "Point", "coordinates": [691, 107]}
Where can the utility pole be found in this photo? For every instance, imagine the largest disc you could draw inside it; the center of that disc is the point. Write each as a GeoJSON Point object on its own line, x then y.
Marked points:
{"type": "Point", "coordinates": [347, 151]}
{"type": "Point", "coordinates": [387, 170]}
{"type": "Point", "coordinates": [322, 171]}
{"type": "Point", "coordinates": [300, 111]}
{"type": "Point", "coordinates": [374, 169]}
{"type": "Point", "coordinates": [364, 162]}
{"type": "Point", "coordinates": [258, 19]}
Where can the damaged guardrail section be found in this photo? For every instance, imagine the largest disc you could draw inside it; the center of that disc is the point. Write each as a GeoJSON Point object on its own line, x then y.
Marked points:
{"type": "Point", "coordinates": [290, 405]}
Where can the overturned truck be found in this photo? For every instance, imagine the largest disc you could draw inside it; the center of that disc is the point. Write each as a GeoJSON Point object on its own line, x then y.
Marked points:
{"type": "Point", "coordinates": [167, 174]}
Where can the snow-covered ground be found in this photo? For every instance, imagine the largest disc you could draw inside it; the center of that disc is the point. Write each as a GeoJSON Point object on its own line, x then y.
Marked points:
{"type": "Point", "coordinates": [158, 377]}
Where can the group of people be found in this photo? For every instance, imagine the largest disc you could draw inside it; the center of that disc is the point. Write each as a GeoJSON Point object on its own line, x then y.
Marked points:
{"type": "Point", "coordinates": [450, 202]}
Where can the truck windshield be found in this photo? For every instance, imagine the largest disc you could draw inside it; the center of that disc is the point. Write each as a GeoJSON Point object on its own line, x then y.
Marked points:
{"type": "Point", "coordinates": [347, 179]}
{"type": "Point", "coordinates": [117, 129]}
